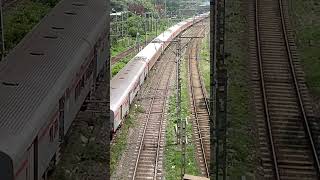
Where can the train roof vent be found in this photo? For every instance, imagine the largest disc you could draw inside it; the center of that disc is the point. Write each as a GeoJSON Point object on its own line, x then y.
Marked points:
{"type": "Point", "coordinates": [10, 84]}
{"type": "Point", "coordinates": [78, 4]}
{"type": "Point", "coordinates": [36, 53]}
{"type": "Point", "coordinates": [113, 88]}
{"type": "Point", "coordinates": [70, 13]}
{"type": "Point", "coordinates": [57, 28]}
{"type": "Point", "coordinates": [121, 78]}
{"type": "Point", "coordinates": [50, 37]}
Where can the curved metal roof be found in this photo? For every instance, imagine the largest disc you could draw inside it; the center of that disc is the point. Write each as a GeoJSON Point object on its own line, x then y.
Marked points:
{"type": "Point", "coordinates": [125, 79]}
{"type": "Point", "coordinates": [33, 75]}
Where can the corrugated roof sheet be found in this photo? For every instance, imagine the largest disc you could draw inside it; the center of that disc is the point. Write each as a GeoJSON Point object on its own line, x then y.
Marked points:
{"type": "Point", "coordinates": [40, 61]}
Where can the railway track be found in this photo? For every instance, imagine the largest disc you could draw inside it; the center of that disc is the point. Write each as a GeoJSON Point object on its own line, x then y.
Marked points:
{"type": "Point", "coordinates": [200, 108]}
{"type": "Point", "coordinates": [283, 111]}
{"type": "Point", "coordinates": [148, 160]}
{"type": "Point", "coordinates": [151, 139]}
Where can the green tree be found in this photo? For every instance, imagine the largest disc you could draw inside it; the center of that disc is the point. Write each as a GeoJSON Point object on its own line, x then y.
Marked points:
{"type": "Point", "coordinates": [135, 25]}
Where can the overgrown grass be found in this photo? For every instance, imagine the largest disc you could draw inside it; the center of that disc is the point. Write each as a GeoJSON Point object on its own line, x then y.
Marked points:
{"type": "Point", "coordinates": [120, 144]}
{"type": "Point", "coordinates": [240, 140]}
{"type": "Point", "coordinates": [21, 18]}
{"type": "Point", "coordinates": [204, 63]}
{"type": "Point", "coordinates": [305, 17]}
{"type": "Point", "coordinates": [173, 154]}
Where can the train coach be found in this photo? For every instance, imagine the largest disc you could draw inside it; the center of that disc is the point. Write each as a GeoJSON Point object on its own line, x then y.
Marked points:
{"type": "Point", "coordinates": [43, 83]}
{"type": "Point", "coordinates": [126, 84]}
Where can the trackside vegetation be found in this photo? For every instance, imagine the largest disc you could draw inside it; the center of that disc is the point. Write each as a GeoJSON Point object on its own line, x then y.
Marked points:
{"type": "Point", "coordinates": [21, 17]}
{"type": "Point", "coordinates": [305, 19]}
{"type": "Point", "coordinates": [173, 155]}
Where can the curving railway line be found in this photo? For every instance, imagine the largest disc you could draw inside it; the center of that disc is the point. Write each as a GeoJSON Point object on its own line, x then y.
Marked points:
{"type": "Point", "coordinates": [151, 139]}
{"type": "Point", "coordinates": [286, 141]}
{"type": "Point", "coordinates": [148, 160]}
{"type": "Point", "coordinates": [200, 107]}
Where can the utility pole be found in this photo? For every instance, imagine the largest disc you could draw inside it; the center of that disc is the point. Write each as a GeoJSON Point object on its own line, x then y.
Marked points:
{"type": "Point", "coordinates": [183, 147]}
{"type": "Point", "coordinates": [145, 29]}
{"type": "Point", "coordinates": [152, 21]}
{"type": "Point", "coordinates": [181, 126]}
{"type": "Point", "coordinates": [178, 88]}
{"type": "Point", "coordinates": [138, 41]}
{"type": "Point", "coordinates": [156, 24]}
{"type": "Point", "coordinates": [165, 8]}
{"type": "Point", "coordinates": [218, 86]}
{"type": "Point", "coordinates": [165, 12]}
{"type": "Point", "coordinates": [2, 31]}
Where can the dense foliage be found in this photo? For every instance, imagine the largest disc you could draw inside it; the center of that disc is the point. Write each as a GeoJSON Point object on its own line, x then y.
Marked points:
{"type": "Point", "coordinates": [21, 18]}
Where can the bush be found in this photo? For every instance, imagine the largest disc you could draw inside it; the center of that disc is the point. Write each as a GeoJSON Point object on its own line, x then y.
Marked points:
{"type": "Point", "coordinates": [20, 20]}
{"type": "Point", "coordinates": [135, 24]}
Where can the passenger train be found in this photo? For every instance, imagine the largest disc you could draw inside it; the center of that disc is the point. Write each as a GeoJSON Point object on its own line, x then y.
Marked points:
{"type": "Point", "coordinates": [126, 84]}
{"type": "Point", "coordinates": [43, 83]}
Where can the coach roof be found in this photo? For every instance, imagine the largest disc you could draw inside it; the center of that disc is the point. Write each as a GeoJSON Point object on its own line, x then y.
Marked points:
{"type": "Point", "coordinates": [30, 76]}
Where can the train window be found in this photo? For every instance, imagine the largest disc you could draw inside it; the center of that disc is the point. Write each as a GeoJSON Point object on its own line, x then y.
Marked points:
{"type": "Point", "coordinates": [76, 91]}
{"type": "Point", "coordinates": [87, 73]}
{"type": "Point", "coordinates": [55, 128]}
{"type": "Point", "coordinates": [99, 42]}
{"type": "Point", "coordinates": [90, 69]}
{"type": "Point", "coordinates": [51, 134]}
{"type": "Point", "coordinates": [120, 112]}
{"type": "Point", "coordinates": [27, 173]}
{"type": "Point", "coordinates": [91, 54]}
{"type": "Point", "coordinates": [82, 81]}
{"type": "Point", "coordinates": [67, 93]}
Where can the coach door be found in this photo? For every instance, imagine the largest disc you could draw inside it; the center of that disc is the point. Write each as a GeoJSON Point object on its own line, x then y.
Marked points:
{"type": "Point", "coordinates": [61, 118]}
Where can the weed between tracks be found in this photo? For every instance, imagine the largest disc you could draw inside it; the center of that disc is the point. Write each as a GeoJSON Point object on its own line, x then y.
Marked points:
{"type": "Point", "coordinates": [172, 158]}
{"type": "Point", "coordinates": [305, 18]}
{"type": "Point", "coordinates": [240, 141]}
{"type": "Point", "coordinates": [204, 63]}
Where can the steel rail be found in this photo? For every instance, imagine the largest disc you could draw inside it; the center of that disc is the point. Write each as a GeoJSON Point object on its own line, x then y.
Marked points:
{"type": "Point", "coordinates": [293, 73]}
{"type": "Point", "coordinates": [266, 108]}
{"type": "Point", "coordinates": [146, 125]}
{"type": "Point", "coordinates": [196, 112]}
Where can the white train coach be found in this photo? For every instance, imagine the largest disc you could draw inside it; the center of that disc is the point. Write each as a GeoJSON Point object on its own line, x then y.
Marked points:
{"type": "Point", "coordinates": [126, 84]}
